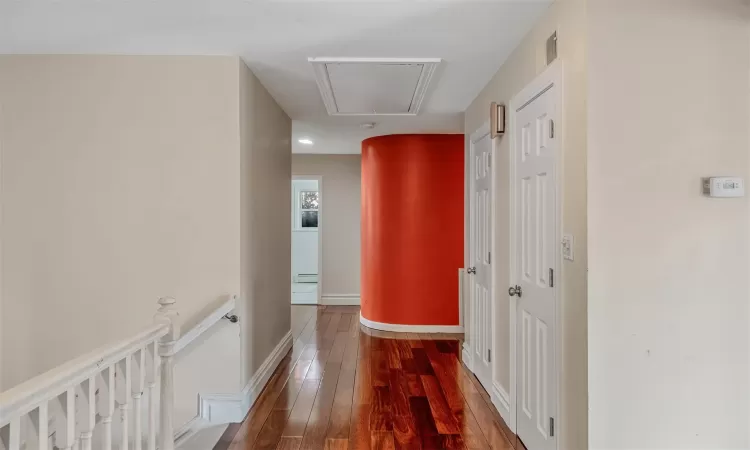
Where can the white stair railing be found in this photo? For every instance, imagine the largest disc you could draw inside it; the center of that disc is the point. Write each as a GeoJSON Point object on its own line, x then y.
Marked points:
{"type": "Point", "coordinates": [67, 406]}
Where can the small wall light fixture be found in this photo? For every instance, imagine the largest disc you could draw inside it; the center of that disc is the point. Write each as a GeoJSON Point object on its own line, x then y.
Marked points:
{"type": "Point", "coordinates": [497, 120]}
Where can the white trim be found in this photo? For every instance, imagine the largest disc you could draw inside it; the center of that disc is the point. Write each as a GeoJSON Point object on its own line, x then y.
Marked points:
{"type": "Point", "coordinates": [190, 429]}
{"type": "Point", "coordinates": [462, 275]}
{"type": "Point", "coordinates": [326, 90]}
{"type": "Point", "coordinates": [410, 328]}
{"type": "Point", "coordinates": [501, 400]}
{"type": "Point", "coordinates": [25, 397]}
{"type": "Point", "coordinates": [480, 132]}
{"type": "Point", "coordinates": [466, 355]}
{"type": "Point", "coordinates": [256, 384]}
{"type": "Point", "coordinates": [221, 408]}
{"type": "Point", "coordinates": [552, 75]}
{"type": "Point", "coordinates": [233, 407]}
{"type": "Point", "coordinates": [319, 230]}
{"type": "Point", "coordinates": [340, 299]}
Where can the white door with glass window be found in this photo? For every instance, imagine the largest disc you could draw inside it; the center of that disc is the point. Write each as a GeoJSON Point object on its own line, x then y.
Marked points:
{"type": "Point", "coordinates": [536, 153]}
{"type": "Point", "coordinates": [305, 220]}
{"type": "Point", "coordinates": [480, 257]}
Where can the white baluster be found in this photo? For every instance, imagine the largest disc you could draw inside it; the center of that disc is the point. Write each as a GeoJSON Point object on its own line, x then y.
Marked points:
{"type": "Point", "coordinates": [87, 432]}
{"type": "Point", "coordinates": [109, 406]}
{"type": "Point", "coordinates": [168, 315]}
{"type": "Point", "coordinates": [67, 440]}
{"type": "Point", "coordinates": [153, 404]}
{"type": "Point", "coordinates": [125, 405]}
{"type": "Point", "coordinates": [43, 426]}
{"type": "Point", "coordinates": [137, 394]}
{"type": "Point", "coordinates": [14, 442]}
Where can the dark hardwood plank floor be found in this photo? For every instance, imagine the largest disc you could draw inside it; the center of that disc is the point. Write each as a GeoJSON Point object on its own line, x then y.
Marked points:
{"type": "Point", "coordinates": [346, 387]}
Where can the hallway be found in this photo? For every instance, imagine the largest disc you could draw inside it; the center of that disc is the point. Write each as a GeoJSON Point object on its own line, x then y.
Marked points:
{"type": "Point", "coordinates": [344, 386]}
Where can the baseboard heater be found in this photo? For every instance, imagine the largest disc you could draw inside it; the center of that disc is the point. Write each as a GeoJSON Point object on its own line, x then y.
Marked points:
{"type": "Point", "coordinates": [306, 278]}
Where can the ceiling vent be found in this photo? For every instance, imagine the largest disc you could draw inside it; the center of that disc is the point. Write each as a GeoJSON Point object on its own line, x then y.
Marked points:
{"type": "Point", "coordinates": [373, 86]}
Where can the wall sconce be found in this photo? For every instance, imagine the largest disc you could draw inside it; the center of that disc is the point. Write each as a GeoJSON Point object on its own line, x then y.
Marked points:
{"type": "Point", "coordinates": [497, 120]}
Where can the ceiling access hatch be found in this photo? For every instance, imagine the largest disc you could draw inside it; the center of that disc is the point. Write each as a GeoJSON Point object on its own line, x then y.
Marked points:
{"type": "Point", "coordinates": [373, 86]}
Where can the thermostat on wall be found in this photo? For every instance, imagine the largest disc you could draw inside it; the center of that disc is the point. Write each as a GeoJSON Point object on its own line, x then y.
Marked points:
{"type": "Point", "coordinates": [724, 187]}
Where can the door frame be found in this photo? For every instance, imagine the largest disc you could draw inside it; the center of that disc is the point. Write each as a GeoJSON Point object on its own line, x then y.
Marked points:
{"type": "Point", "coordinates": [467, 354]}
{"type": "Point", "coordinates": [551, 76]}
{"type": "Point", "coordinates": [321, 218]}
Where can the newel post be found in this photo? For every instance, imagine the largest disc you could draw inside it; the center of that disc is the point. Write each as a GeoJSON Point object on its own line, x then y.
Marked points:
{"type": "Point", "coordinates": [168, 315]}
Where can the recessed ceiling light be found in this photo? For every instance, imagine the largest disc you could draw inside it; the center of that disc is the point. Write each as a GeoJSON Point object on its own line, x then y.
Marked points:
{"type": "Point", "coordinates": [306, 141]}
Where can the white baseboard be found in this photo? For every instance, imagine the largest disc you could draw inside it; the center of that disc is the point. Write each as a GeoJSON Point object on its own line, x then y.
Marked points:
{"type": "Point", "coordinates": [501, 400]}
{"type": "Point", "coordinates": [410, 328]}
{"type": "Point", "coordinates": [255, 386]}
{"type": "Point", "coordinates": [189, 430]}
{"type": "Point", "coordinates": [232, 408]}
{"type": "Point", "coordinates": [466, 356]}
{"type": "Point", "coordinates": [340, 299]}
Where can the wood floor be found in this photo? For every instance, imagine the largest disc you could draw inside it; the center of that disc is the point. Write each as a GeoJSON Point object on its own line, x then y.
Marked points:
{"type": "Point", "coordinates": [344, 386]}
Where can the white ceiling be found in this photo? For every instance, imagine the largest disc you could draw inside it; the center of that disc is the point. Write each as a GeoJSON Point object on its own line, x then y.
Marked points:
{"type": "Point", "coordinates": [275, 38]}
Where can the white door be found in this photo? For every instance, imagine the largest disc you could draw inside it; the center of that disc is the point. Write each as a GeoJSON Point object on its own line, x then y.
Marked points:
{"type": "Point", "coordinates": [536, 269]}
{"type": "Point", "coordinates": [481, 228]}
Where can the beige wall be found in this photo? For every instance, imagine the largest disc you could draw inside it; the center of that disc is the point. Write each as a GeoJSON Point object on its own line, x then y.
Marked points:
{"type": "Point", "coordinates": [342, 178]}
{"type": "Point", "coordinates": [526, 62]}
{"type": "Point", "coordinates": [128, 178]}
{"type": "Point", "coordinates": [119, 185]}
{"type": "Point", "coordinates": [266, 221]}
{"type": "Point", "coordinates": [668, 296]}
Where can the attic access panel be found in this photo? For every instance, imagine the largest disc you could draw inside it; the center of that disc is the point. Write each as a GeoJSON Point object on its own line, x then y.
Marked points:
{"type": "Point", "coordinates": [373, 86]}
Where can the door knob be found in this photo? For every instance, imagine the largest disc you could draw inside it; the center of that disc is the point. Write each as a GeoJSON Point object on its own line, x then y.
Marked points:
{"type": "Point", "coordinates": [515, 290]}
{"type": "Point", "coordinates": [471, 270]}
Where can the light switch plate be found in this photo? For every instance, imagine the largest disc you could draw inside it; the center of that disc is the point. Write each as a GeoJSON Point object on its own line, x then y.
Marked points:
{"type": "Point", "coordinates": [567, 247]}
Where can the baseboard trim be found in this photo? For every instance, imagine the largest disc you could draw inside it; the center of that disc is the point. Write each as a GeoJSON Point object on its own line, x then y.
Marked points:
{"type": "Point", "coordinates": [410, 328]}
{"type": "Point", "coordinates": [501, 400]}
{"type": "Point", "coordinates": [340, 299]}
{"type": "Point", "coordinates": [255, 386]}
{"type": "Point", "coordinates": [233, 407]}
{"type": "Point", "coordinates": [466, 356]}
{"type": "Point", "coordinates": [190, 429]}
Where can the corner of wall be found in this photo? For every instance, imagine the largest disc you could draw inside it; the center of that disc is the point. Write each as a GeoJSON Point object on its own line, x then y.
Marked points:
{"type": "Point", "coordinates": [265, 229]}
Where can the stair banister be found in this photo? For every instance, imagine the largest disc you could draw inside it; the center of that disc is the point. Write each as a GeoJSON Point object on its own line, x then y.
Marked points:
{"type": "Point", "coordinates": [95, 372]}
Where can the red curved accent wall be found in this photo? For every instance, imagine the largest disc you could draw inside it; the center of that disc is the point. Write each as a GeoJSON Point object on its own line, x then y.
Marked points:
{"type": "Point", "coordinates": [412, 228]}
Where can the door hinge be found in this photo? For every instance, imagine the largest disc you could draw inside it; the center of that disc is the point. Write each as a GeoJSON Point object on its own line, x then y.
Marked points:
{"type": "Point", "coordinates": [551, 426]}
{"type": "Point", "coordinates": [551, 129]}
{"type": "Point", "coordinates": [489, 159]}
{"type": "Point", "coordinates": [552, 278]}
{"type": "Point", "coordinates": [489, 257]}
{"type": "Point", "coordinates": [489, 355]}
